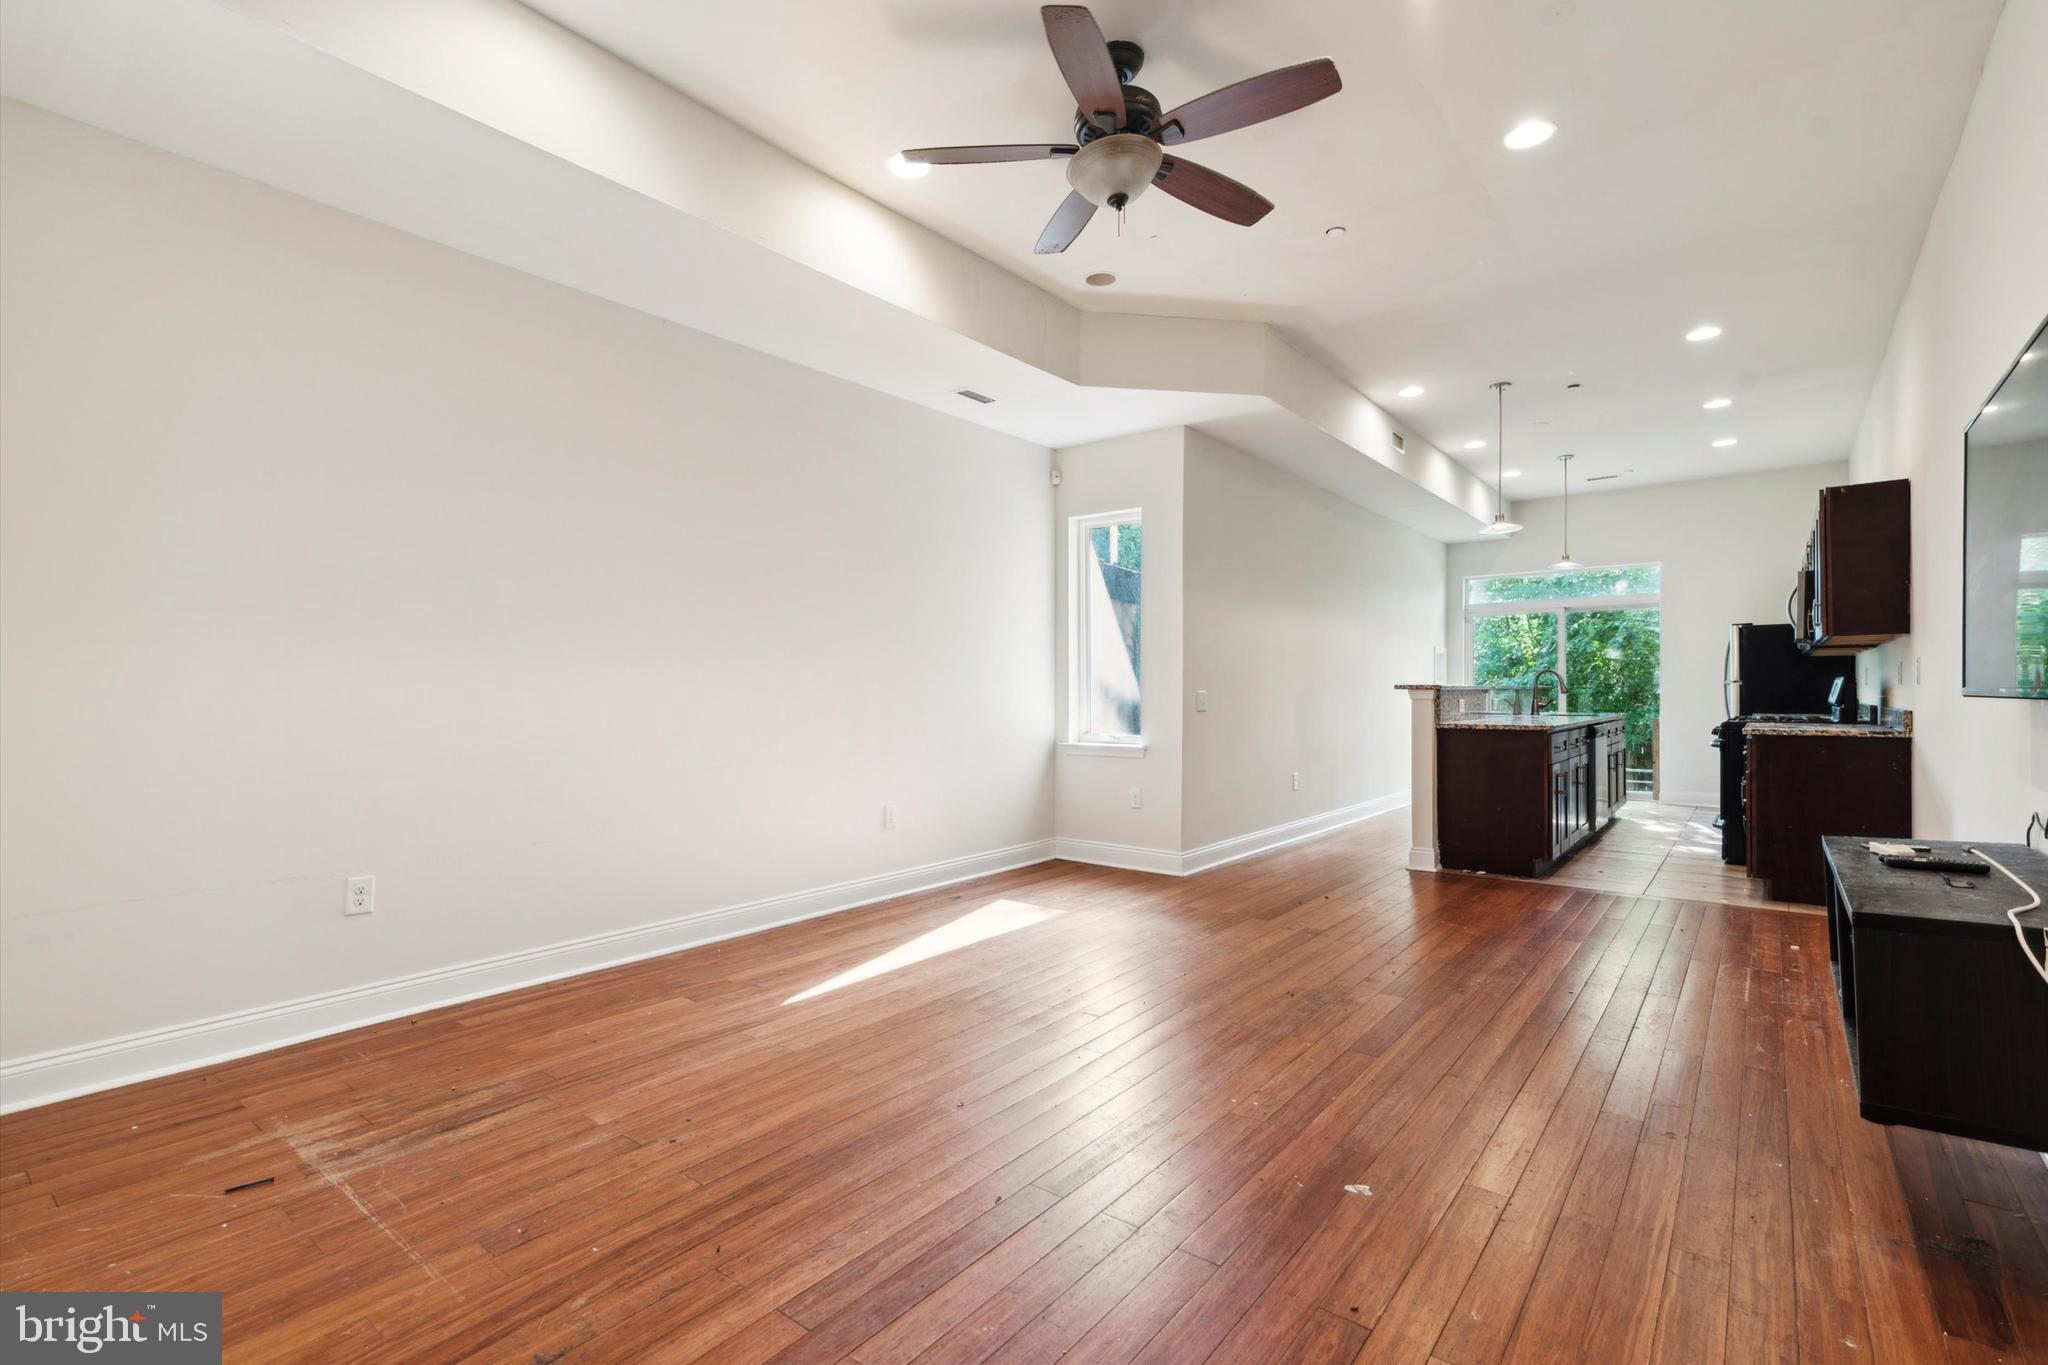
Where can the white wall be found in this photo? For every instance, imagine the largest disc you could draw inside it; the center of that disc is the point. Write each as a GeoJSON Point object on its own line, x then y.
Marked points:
{"type": "Point", "coordinates": [1730, 549]}
{"type": "Point", "coordinates": [325, 550]}
{"type": "Point", "coordinates": [1302, 613]}
{"type": "Point", "coordinates": [1093, 791]}
{"type": "Point", "coordinates": [1978, 292]}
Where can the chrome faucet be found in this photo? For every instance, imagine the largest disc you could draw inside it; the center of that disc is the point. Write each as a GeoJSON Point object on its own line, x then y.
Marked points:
{"type": "Point", "coordinates": [1536, 690]}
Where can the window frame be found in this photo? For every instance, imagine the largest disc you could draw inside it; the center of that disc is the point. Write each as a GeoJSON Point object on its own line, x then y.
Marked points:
{"type": "Point", "coordinates": [1079, 738]}
{"type": "Point", "coordinates": [1558, 606]}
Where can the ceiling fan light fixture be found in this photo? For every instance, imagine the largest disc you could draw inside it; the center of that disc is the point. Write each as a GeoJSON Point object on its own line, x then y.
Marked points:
{"type": "Point", "coordinates": [1112, 171]}
{"type": "Point", "coordinates": [1530, 132]}
{"type": "Point", "coordinates": [1120, 132]}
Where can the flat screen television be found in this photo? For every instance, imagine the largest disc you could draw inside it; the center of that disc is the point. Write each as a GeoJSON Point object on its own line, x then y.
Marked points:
{"type": "Point", "coordinates": [2005, 533]}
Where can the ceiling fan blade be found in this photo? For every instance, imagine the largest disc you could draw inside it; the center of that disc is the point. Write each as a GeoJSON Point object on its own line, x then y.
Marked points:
{"type": "Point", "coordinates": [974, 156]}
{"type": "Point", "coordinates": [1251, 101]}
{"type": "Point", "coordinates": [1083, 54]}
{"type": "Point", "coordinates": [1212, 192]}
{"type": "Point", "coordinates": [1067, 221]}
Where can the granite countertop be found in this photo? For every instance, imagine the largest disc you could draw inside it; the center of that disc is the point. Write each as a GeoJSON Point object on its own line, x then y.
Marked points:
{"type": "Point", "coordinates": [1549, 721]}
{"type": "Point", "coordinates": [1895, 725]}
{"type": "Point", "coordinates": [1860, 730]}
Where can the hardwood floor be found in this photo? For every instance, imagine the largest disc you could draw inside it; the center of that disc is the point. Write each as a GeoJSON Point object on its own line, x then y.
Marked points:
{"type": "Point", "coordinates": [1672, 852]}
{"type": "Point", "coordinates": [1305, 1107]}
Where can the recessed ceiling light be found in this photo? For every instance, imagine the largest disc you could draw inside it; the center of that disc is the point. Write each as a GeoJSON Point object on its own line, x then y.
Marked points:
{"type": "Point", "coordinates": [1706, 331]}
{"type": "Point", "coordinates": [1990, 408]}
{"type": "Point", "coordinates": [1412, 391]}
{"type": "Point", "coordinates": [2028, 356]}
{"type": "Point", "coordinates": [1724, 441]}
{"type": "Point", "coordinates": [1334, 231]}
{"type": "Point", "coordinates": [907, 170]}
{"type": "Point", "coordinates": [1713, 403]}
{"type": "Point", "coordinates": [1475, 445]}
{"type": "Point", "coordinates": [1101, 279]}
{"type": "Point", "coordinates": [1512, 474]}
{"type": "Point", "coordinates": [1530, 132]}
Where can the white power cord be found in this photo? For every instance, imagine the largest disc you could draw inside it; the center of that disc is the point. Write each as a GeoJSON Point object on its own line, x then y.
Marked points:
{"type": "Point", "coordinates": [2033, 903]}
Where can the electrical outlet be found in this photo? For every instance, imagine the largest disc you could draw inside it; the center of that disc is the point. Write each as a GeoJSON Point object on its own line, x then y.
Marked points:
{"type": "Point", "coordinates": [1201, 699]}
{"type": "Point", "coordinates": [889, 817]}
{"type": "Point", "coordinates": [1297, 781]}
{"type": "Point", "coordinates": [362, 896]}
{"type": "Point", "coordinates": [1137, 798]}
{"type": "Point", "coordinates": [1916, 670]}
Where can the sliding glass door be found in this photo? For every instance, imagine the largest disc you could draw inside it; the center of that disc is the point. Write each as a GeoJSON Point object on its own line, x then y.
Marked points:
{"type": "Point", "coordinates": [1600, 628]}
{"type": "Point", "coordinates": [1611, 665]}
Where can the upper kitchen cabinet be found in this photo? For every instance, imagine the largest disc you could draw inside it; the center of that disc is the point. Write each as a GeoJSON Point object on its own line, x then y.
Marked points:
{"type": "Point", "coordinates": [1855, 586]}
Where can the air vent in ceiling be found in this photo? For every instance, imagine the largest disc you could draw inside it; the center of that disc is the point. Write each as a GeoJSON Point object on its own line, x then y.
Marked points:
{"type": "Point", "coordinates": [972, 396]}
{"type": "Point", "coordinates": [1598, 478]}
{"type": "Point", "coordinates": [1400, 441]}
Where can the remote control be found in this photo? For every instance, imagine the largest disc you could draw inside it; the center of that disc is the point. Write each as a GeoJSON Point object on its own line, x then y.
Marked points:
{"type": "Point", "coordinates": [1935, 862]}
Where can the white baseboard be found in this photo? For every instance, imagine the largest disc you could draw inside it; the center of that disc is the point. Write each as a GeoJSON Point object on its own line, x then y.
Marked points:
{"type": "Point", "coordinates": [1424, 860]}
{"type": "Point", "coordinates": [50, 1076]}
{"type": "Point", "coordinates": [1171, 864]}
{"type": "Point", "coordinates": [1293, 832]}
{"type": "Point", "coordinates": [1129, 856]}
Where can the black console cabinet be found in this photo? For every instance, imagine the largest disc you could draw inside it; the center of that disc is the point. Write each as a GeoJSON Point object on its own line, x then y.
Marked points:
{"type": "Point", "coordinates": [1947, 1023]}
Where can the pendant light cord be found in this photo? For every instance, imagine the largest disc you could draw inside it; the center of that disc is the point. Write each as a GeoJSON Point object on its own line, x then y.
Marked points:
{"type": "Point", "coordinates": [1566, 461]}
{"type": "Point", "coordinates": [1500, 452]}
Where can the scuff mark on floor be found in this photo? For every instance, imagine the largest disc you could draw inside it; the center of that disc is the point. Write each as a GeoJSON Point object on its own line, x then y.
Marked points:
{"type": "Point", "coordinates": [334, 1178]}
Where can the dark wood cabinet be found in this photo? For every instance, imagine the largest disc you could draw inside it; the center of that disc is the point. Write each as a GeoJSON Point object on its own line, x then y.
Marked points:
{"type": "Point", "coordinates": [1803, 788]}
{"type": "Point", "coordinates": [1855, 585]}
{"type": "Point", "coordinates": [1516, 801]}
{"type": "Point", "coordinates": [1610, 771]}
{"type": "Point", "coordinates": [1945, 1020]}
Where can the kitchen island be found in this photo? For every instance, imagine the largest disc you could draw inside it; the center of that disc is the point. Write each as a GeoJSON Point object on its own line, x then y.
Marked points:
{"type": "Point", "coordinates": [1497, 791]}
{"type": "Point", "coordinates": [1518, 794]}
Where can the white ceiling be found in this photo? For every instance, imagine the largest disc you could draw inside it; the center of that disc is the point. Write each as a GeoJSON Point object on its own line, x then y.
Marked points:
{"type": "Point", "coordinates": [1766, 165]}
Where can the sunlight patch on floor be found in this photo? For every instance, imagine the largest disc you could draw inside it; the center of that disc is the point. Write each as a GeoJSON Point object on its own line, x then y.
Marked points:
{"type": "Point", "coordinates": [977, 926]}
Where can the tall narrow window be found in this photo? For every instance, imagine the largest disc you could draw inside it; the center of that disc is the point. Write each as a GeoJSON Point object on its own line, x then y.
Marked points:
{"type": "Point", "coordinates": [1109, 577]}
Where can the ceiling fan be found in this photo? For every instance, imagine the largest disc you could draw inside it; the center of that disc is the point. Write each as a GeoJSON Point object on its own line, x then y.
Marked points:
{"type": "Point", "coordinates": [1122, 136]}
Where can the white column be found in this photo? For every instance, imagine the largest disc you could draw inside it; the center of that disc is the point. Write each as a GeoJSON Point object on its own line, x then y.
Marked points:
{"type": "Point", "coordinates": [1422, 855]}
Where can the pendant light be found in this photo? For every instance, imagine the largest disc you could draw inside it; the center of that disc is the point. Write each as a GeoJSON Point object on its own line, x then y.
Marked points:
{"type": "Point", "coordinates": [1500, 525]}
{"type": "Point", "coordinates": [1565, 560]}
